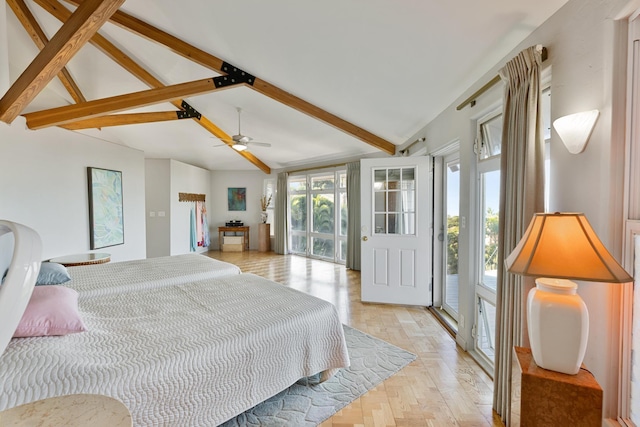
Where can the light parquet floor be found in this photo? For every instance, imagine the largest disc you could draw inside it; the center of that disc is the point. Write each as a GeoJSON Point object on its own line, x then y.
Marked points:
{"type": "Point", "coordinates": [442, 387]}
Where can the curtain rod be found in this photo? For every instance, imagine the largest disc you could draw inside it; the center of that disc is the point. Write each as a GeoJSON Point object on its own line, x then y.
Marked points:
{"type": "Point", "coordinates": [317, 167]}
{"type": "Point", "coordinates": [472, 99]}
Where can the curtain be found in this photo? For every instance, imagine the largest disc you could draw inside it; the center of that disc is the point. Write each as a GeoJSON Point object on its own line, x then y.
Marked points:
{"type": "Point", "coordinates": [280, 229]}
{"type": "Point", "coordinates": [353, 218]}
{"type": "Point", "coordinates": [521, 195]}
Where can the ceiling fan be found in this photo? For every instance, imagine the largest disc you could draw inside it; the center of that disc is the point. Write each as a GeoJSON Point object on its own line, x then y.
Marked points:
{"type": "Point", "coordinates": [240, 141]}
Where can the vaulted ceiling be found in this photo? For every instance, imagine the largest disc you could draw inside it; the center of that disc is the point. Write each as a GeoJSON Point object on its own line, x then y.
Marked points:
{"type": "Point", "coordinates": [319, 81]}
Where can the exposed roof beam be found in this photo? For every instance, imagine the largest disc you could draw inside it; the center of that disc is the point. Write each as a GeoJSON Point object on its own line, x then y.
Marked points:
{"type": "Point", "coordinates": [73, 34]}
{"type": "Point", "coordinates": [99, 107]}
{"type": "Point", "coordinates": [207, 60]}
{"type": "Point", "coordinates": [109, 49]}
{"type": "Point", "coordinates": [40, 39]}
{"type": "Point", "coordinates": [124, 119]}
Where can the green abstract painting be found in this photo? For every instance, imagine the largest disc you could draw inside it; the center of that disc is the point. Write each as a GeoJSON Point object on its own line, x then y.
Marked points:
{"type": "Point", "coordinates": [106, 219]}
{"type": "Point", "coordinates": [237, 198]}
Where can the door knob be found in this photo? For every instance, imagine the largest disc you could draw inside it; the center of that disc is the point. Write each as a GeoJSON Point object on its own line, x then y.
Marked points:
{"type": "Point", "coordinates": [365, 238]}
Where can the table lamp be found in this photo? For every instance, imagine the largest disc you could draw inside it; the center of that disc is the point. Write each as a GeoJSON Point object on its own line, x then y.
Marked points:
{"type": "Point", "coordinates": [556, 247]}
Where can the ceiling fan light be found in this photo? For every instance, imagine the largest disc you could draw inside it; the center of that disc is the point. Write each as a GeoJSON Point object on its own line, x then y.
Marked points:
{"type": "Point", "coordinates": [239, 147]}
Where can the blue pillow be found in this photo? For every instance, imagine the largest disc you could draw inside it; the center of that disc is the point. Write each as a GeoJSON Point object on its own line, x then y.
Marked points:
{"type": "Point", "coordinates": [4, 276]}
{"type": "Point", "coordinates": [52, 273]}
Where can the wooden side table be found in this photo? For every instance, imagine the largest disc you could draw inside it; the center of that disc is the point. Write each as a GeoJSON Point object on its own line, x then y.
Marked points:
{"type": "Point", "coordinates": [544, 398]}
{"type": "Point", "coordinates": [74, 410]}
{"type": "Point", "coordinates": [235, 230]}
{"type": "Point", "coordinates": [82, 259]}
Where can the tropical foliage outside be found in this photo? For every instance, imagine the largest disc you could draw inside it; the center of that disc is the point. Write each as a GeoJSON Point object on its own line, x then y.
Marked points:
{"type": "Point", "coordinates": [323, 220]}
{"type": "Point", "coordinates": [490, 242]}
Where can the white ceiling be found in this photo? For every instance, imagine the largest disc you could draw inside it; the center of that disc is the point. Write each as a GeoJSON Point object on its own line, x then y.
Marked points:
{"type": "Point", "coordinates": [387, 66]}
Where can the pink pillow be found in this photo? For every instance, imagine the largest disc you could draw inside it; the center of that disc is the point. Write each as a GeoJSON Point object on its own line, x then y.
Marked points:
{"type": "Point", "coordinates": [52, 310]}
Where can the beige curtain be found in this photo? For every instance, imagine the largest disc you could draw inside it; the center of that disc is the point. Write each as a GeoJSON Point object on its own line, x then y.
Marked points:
{"type": "Point", "coordinates": [353, 218]}
{"type": "Point", "coordinates": [280, 227]}
{"type": "Point", "coordinates": [521, 195]}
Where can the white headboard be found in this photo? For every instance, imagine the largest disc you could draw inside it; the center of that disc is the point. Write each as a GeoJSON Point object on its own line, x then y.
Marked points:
{"type": "Point", "coordinates": [21, 246]}
{"type": "Point", "coordinates": [6, 252]}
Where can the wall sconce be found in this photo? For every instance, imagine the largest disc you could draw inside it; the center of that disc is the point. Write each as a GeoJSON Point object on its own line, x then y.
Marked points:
{"type": "Point", "coordinates": [575, 129]}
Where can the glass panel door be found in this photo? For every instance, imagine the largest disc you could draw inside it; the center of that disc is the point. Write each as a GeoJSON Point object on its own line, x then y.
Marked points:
{"type": "Point", "coordinates": [451, 207]}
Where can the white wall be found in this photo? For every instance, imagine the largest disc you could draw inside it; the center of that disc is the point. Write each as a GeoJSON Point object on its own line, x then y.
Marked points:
{"type": "Point", "coordinates": [583, 41]}
{"type": "Point", "coordinates": [43, 184]}
{"type": "Point", "coordinates": [157, 190]}
{"type": "Point", "coordinates": [4, 50]}
{"type": "Point", "coordinates": [186, 179]}
{"type": "Point", "coordinates": [220, 182]}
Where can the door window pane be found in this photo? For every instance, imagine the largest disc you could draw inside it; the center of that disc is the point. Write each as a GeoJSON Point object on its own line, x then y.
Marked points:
{"type": "Point", "coordinates": [323, 213]}
{"type": "Point", "coordinates": [452, 194]}
{"type": "Point", "coordinates": [394, 195]}
{"type": "Point", "coordinates": [323, 247]}
{"type": "Point", "coordinates": [344, 214]}
{"type": "Point", "coordinates": [490, 182]}
{"type": "Point", "coordinates": [491, 137]}
{"type": "Point", "coordinates": [486, 326]}
{"type": "Point", "coordinates": [298, 211]}
{"type": "Point", "coordinates": [299, 244]}
{"type": "Point", "coordinates": [323, 182]}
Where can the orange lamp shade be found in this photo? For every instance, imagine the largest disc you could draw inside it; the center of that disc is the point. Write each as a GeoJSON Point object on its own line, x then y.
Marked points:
{"type": "Point", "coordinates": [564, 246]}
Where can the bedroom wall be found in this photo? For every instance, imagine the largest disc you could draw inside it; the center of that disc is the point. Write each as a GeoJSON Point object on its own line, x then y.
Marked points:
{"type": "Point", "coordinates": [4, 52]}
{"type": "Point", "coordinates": [583, 41]}
{"type": "Point", "coordinates": [220, 182]}
{"type": "Point", "coordinates": [157, 173]}
{"type": "Point", "coordinates": [43, 184]}
{"type": "Point", "coordinates": [168, 220]}
{"type": "Point", "coordinates": [186, 179]}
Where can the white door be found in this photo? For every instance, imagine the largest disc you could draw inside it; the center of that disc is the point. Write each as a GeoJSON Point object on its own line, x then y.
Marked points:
{"type": "Point", "coordinates": [396, 230]}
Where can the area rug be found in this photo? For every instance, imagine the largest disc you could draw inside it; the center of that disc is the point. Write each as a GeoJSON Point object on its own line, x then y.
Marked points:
{"type": "Point", "coordinates": [307, 403]}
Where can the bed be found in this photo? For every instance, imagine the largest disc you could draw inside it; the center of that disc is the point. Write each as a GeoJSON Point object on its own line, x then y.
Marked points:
{"type": "Point", "coordinates": [102, 279]}
{"type": "Point", "coordinates": [193, 351]}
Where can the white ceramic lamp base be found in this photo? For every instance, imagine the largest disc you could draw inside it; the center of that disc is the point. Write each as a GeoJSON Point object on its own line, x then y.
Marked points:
{"type": "Point", "coordinates": [558, 325]}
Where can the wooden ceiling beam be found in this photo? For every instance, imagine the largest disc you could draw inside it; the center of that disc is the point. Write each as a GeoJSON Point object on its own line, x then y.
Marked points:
{"type": "Point", "coordinates": [121, 58]}
{"type": "Point", "coordinates": [73, 34]}
{"type": "Point", "coordinates": [31, 26]}
{"type": "Point", "coordinates": [205, 59]}
{"type": "Point", "coordinates": [99, 107]}
{"type": "Point", "coordinates": [123, 120]}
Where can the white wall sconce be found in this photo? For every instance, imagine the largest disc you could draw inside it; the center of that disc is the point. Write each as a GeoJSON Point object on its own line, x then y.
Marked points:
{"type": "Point", "coordinates": [575, 129]}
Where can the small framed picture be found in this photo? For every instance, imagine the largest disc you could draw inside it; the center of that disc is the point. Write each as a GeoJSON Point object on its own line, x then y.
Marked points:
{"type": "Point", "coordinates": [237, 198]}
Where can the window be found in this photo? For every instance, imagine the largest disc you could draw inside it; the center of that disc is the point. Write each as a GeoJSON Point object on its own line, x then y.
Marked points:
{"type": "Point", "coordinates": [269, 191]}
{"type": "Point", "coordinates": [318, 215]}
{"type": "Point", "coordinates": [394, 201]}
{"type": "Point", "coordinates": [489, 139]}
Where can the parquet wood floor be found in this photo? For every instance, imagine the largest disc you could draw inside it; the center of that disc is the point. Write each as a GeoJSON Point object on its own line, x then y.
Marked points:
{"type": "Point", "coordinates": [443, 387]}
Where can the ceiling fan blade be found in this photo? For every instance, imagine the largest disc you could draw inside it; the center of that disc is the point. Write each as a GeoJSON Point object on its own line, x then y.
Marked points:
{"type": "Point", "coordinates": [261, 144]}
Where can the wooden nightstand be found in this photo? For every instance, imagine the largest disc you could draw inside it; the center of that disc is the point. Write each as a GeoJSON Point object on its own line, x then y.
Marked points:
{"type": "Point", "coordinates": [540, 397]}
{"type": "Point", "coordinates": [74, 410]}
{"type": "Point", "coordinates": [82, 259]}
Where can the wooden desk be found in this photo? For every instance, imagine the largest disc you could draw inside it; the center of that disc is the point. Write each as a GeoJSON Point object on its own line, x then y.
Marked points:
{"type": "Point", "coordinates": [544, 398]}
{"type": "Point", "coordinates": [244, 230]}
{"type": "Point", "coordinates": [82, 259]}
{"type": "Point", "coordinates": [74, 410]}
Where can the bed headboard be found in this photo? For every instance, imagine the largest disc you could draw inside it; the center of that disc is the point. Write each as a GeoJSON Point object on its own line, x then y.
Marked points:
{"type": "Point", "coordinates": [22, 247]}
{"type": "Point", "coordinates": [6, 252]}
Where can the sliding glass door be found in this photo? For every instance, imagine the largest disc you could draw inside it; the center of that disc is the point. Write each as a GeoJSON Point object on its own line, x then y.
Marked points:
{"type": "Point", "coordinates": [318, 215]}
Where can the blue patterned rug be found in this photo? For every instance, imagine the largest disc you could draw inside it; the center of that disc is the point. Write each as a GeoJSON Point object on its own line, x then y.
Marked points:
{"type": "Point", "coordinates": [307, 403]}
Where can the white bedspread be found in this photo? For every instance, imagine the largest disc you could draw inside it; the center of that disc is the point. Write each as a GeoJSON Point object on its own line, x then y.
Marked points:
{"type": "Point", "coordinates": [192, 354]}
{"type": "Point", "coordinates": [102, 279]}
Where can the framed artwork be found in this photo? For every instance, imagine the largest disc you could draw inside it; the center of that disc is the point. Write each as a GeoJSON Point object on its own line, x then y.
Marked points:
{"type": "Point", "coordinates": [237, 198]}
{"type": "Point", "coordinates": [106, 219]}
